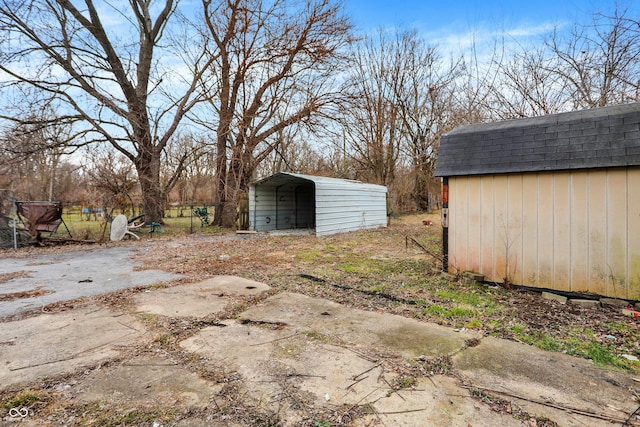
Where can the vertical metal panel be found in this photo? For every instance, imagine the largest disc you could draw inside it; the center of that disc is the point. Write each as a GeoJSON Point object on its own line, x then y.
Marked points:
{"type": "Point", "coordinates": [285, 207]}
{"type": "Point", "coordinates": [545, 206]}
{"type": "Point", "coordinates": [633, 233]}
{"type": "Point", "coordinates": [513, 253]}
{"type": "Point", "coordinates": [342, 208]}
{"type": "Point", "coordinates": [487, 235]}
{"type": "Point", "coordinates": [616, 204]}
{"type": "Point", "coordinates": [579, 241]}
{"type": "Point", "coordinates": [501, 226]}
{"type": "Point", "coordinates": [252, 208]}
{"type": "Point", "coordinates": [562, 223]}
{"type": "Point", "coordinates": [458, 214]}
{"type": "Point", "coordinates": [264, 214]}
{"type": "Point", "coordinates": [573, 231]}
{"type": "Point", "coordinates": [530, 244]}
{"type": "Point", "coordinates": [473, 221]}
{"type": "Point", "coordinates": [597, 195]}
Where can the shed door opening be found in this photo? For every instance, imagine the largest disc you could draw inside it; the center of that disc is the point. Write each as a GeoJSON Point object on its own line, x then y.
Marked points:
{"type": "Point", "coordinates": [305, 206]}
{"type": "Point", "coordinates": [295, 206]}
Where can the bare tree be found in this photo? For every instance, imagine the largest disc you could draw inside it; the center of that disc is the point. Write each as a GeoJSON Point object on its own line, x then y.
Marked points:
{"type": "Point", "coordinates": [196, 182]}
{"type": "Point", "coordinates": [370, 117]}
{"type": "Point", "coordinates": [104, 70]}
{"type": "Point", "coordinates": [600, 62]}
{"type": "Point", "coordinates": [294, 153]}
{"type": "Point", "coordinates": [527, 85]}
{"type": "Point", "coordinates": [425, 88]}
{"type": "Point", "coordinates": [275, 62]}
{"type": "Point", "coordinates": [402, 98]}
{"type": "Point", "coordinates": [110, 173]}
{"type": "Point", "coordinates": [590, 66]}
{"type": "Point", "coordinates": [38, 159]}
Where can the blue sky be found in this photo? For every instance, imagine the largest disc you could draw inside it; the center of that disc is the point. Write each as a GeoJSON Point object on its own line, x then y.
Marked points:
{"type": "Point", "coordinates": [454, 17]}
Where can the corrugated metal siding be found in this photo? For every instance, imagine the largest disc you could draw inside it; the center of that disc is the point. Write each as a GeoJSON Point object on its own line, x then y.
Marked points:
{"type": "Point", "coordinates": [262, 209]}
{"type": "Point", "coordinates": [290, 200]}
{"type": "Point", "coordinates": [350, 207]}
{"type": "Point", "coordinates": [574, 231]}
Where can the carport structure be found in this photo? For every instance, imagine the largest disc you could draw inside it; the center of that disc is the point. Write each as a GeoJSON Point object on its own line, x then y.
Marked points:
{"type": "Point", "coordinates": [290, 201]}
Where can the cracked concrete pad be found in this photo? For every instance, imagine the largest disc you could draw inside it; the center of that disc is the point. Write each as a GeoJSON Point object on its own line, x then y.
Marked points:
{"type": "Point", "coordinates": [197, 299]}
{"type": "Point", "coordinates": [408, 337]}
{"type": "Point", "coordinates": [54, 344]}
{"type": "Point", "coordinates": [145, 381]}
{"type": "Point", "coordinates": [292, 347]}
{"type": "Point", "coordinates": [436, 401]}
{"type": "Point", "coordinates": [67, 276]}
{"type": "Point", "coordinates": [272, 363]}
{"type": "Point", "coordinates": [540, 376]}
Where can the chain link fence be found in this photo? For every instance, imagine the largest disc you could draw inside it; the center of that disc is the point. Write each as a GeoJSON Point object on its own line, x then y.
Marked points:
{"type": "Point", "coordinates": [12, 232]}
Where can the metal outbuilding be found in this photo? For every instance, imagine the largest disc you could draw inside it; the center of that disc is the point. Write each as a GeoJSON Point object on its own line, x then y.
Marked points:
{"type": "Point", "coordinates": [287, 201]}
{"type": "Point", "coordinates": [549, 202]}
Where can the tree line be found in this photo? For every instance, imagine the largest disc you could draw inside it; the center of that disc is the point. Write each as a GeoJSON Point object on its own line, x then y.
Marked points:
{"type": "Point", "coordinates": [193, 101]}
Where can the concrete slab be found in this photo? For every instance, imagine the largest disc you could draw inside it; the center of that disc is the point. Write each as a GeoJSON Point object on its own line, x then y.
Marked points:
{"type": "Point", "coordinates": [300, 358]}
{"type": "Point", "coordinates": [158, 383]}
{"type": "Point", "coordinates": [539, 376]}
{"type": "Point", "coordinates": [72, 275]}
{"type": "Point", "coordinates": [54, 344]}
{"type": "Point", "coordinates": [274, 361]}
{"type": "Point", "coordinates": [408, 337]}
{"type": "Point", "coordinates": [257, 358]}
{"type": "Point", "coordinates": [197, 299]}
{"type": "Point", "coordinates": [436, 401]}
{"type": "Point", "coordinates": [554, 297]}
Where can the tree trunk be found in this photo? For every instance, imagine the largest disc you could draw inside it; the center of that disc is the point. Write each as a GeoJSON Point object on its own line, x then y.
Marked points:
{"type": "Point", "coordinates": [153, 198]}
{"type": "Point", "coordinates": [237, 182]}
{"type": "Point", "coordinates": [220, 196]}
{"type": "Point", "coordinates": [421, 190]}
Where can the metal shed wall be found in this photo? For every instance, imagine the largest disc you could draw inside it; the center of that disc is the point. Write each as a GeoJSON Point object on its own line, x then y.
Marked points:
{"type": "Point", "coordinates": [566, 230]}
{"type": "Point", "coordinates": [289, 201]}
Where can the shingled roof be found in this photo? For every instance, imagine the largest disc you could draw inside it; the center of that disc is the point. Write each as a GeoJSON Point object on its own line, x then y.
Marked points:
{"type": "Point", "coordinates": [597, 138]}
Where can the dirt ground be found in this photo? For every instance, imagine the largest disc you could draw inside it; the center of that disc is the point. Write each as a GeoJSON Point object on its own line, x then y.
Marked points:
{"type": "Point", "coordinates": [390, 272]}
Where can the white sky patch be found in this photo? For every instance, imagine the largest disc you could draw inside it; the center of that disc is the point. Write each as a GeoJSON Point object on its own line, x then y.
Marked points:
{"type": "Point", "coordinates": [479, 36]}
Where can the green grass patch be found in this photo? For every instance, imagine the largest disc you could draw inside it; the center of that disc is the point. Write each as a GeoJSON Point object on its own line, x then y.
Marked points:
{"type": "Point", "coordinates": [23, 399]}
{"type": "Point", "coordinates": [473, 324]}
{"type": "Point", "coordinates": [621, 328]}
{"type": "Point", "coordinates": [97, 414]}
{"type": "Point", "coordinates": [474, 299]}
{"type": "Point", "coordinates": [98, 229]}
{"type": "Point", "coordinates": [380, 287]}
{"type": "Point", "coordinates": [405, 382]}
{"type": "Point", "coordinates": [580, 342]}
{"type": "Point", "coordinates": [518, 329]}
{"type": "Point", "coordinates": [352, 263]}
{"type": "Point", "coordinates": [449, 312]}
{"type": "Point", "coordinates": [313, 255]}
{"type": "Point", "coordinates": [542, 340]}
